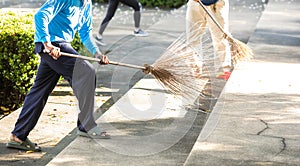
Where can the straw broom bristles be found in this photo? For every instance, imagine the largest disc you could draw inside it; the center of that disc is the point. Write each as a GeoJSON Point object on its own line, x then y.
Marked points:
{"type": "Point", "coordinates": [179, 71]}
{"type": "Point", "coordinates": [239, 50]}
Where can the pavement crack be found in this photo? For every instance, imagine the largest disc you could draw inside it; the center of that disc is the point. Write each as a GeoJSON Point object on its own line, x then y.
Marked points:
{"type": "Point", "coordinates": [284, 146]}
{"type": "Point", "coordinates": [282, 138]}
{"type": "Point", "coordinates": [264, 129]}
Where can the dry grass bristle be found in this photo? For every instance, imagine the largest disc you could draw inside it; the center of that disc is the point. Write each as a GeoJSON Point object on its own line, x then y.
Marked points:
{"type": "Point", "coordinates": [239, 51]}
{"type": "Point", "coordinates": [180, 69]}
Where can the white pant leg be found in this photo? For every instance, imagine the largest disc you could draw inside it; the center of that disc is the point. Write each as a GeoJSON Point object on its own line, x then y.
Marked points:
{"type": "Point", "coordinates": [220, 11]}
{"type": "Point", "coordinates": [195, 22]}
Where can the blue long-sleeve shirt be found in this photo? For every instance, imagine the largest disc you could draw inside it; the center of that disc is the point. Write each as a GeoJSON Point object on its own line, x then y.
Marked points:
{"type": "Point", "coordinates": [59, 20]}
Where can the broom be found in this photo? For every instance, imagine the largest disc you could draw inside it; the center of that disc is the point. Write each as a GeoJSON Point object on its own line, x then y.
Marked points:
{"type": "Point", "coordinates": [177, 69]}
{"type": "Point", "coordinates": [239, 50]}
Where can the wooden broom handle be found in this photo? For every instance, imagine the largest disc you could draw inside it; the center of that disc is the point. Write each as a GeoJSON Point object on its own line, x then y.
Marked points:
{"type": "Point", "coordinates": [98, 60]}
{"type": "Point", "coordinates": [211, 16]}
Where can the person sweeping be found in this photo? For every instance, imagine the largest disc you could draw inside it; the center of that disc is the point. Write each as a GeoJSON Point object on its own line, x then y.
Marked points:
{"type": "Point", "coordinates": [198, 19]}
{"type": "Point", "coordinates": [56, 23]}
{"type": "Point", "coordinates": [229, 50]}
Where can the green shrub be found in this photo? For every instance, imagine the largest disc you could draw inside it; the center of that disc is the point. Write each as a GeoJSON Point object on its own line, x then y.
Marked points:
{"type": "Point", "coordinates": [100, 1]}
{"type": "Point", "coordinates": [156, 3]}
{"type": "Point", "coordinates": [18, 63]}
{"type": "Point", "coordinates": [163, 3]}
{"type": "Point", "coordinates": [76, 43]}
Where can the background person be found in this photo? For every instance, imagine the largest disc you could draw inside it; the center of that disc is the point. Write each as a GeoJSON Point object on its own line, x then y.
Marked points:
{"type": "Point", "coordinates": [111, 10]}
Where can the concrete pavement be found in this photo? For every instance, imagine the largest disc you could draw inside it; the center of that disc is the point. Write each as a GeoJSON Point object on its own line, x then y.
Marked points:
{"type": "Point", "coordinates": [149, 126]}
{"type": "Point", "coordinates": [258, 122]}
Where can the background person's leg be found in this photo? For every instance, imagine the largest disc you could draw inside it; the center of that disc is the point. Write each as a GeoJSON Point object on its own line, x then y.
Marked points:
{"type": "Point", "coordinates": [137, 7]}
{"type": "Point", "coordinates": [111, 10]}
{"type": "Point", "coordinates": [137, 10]}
